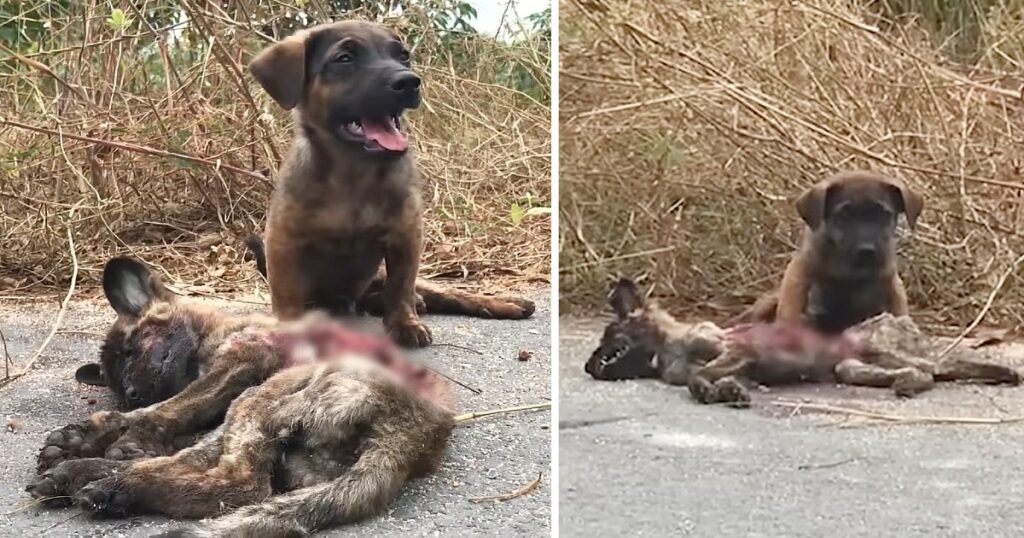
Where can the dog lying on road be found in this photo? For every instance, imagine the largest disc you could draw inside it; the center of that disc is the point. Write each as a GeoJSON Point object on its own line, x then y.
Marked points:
{"type": "Point", "coordinates": [716, 363]}
{"type": "Point", "coordinates": [333, 420]}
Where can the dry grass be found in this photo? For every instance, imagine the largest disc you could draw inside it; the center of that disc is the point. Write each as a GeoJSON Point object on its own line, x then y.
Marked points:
{"type": "Point", "coordinates": [687, 128]}
{"type": "Point", "coordinates": [177, 171]}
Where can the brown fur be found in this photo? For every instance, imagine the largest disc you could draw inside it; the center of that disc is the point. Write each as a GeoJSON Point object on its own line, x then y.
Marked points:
{"type": "Point", "coordinates": [819, 285]}
{"type": "Point", "coordinates": [341, 208]}
{"type": "Point", "coordinates": [333, 420]}
{"type": "Point", "coordinates": [885, 351]}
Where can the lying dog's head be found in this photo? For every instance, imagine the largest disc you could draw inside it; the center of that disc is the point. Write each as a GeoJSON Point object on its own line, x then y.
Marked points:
{"type": "Point", "coordinates": [645, 341]}
{"type": "Point", "coordinates": [152, 351]}
{"type": "Point", "coordinates": [629, 342]}
{"type": "Point", "coordinates": [854, 216]}
{"type": "Point", "coordinates": [349, 81]}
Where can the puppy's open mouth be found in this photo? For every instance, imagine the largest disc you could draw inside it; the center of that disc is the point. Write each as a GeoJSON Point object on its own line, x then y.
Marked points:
{"type": "Point", "coordinates": [377, 133]}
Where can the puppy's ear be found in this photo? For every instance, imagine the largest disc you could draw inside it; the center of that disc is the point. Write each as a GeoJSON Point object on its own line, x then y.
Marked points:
{"type": "Point", "coordinates": [910, 202]}
{"type": "Point", "coordinates": [130, 287]}
{"type": "Point", "coordinates": [625, 297]}
{"type": "Point", "coordinates": [91, 374]}
{"type": "Point", "coordinates": [811, 204]}
{"type": "Point", "coordinates": [281, 69]}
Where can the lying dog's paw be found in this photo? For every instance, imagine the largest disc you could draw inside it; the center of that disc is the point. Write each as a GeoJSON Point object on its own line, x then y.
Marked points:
{"type": "Point", "coordinates": [109, 496]}
{"type": "Point", "coordinates": [140, 440]}
{"type": "Point", "coordinates": [910, 382]}
{"type": "Point", "coordinates": [730, 391]}
{"type": "Point", "coordinates": [409, 333]}
{"type": "Point", "coordinates": [702, 390]}
{"type": "Point", "coordinates": [56, 486]}
{"type": "Point", "coordinates": [86, 439]}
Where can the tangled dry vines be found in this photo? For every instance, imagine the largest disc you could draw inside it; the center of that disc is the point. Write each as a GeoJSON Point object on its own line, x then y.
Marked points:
{"type": "Point", "coordinates": [167, 152]}
{"type": "Point", "coordinates": [688, 128]}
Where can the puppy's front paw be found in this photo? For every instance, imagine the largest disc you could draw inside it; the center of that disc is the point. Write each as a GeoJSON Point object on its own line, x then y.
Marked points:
{"type": "Point", "coordinates": [409, 332]}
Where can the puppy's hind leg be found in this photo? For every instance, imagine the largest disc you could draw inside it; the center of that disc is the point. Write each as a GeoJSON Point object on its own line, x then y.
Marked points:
{"type": "Point", "coordinates": [905, 381]}
{"type": "Point", "coordinates": [437, 300]}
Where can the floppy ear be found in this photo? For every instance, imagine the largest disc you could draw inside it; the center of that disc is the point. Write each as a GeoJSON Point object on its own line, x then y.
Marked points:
{"type": "Point", "coordinates": [912, 202]}
{"type": "Point", "coordinates": [91, 374]}
{"type": "Point", "coordinates": [625, 297]}
{"type": "Point", "coordinates": [130, 287]}
{"type": "Point", "coordinates": [281, 69]}
{"type": "Point", "coordinates": [811, 204]}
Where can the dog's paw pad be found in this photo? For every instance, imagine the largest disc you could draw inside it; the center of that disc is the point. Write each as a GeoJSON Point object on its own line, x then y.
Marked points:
{"type": "Point", "coordinates": [66, 443]}
{"type": "Point", "coordinates": [732, 392]}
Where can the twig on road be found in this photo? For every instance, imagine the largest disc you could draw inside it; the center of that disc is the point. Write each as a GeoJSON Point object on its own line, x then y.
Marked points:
{"type": "Point", "coordinates": [473, 416]}
{"type": "Point", "coordinates": [525, 490]}
{"type": "Point", "coordinates": [895, 419]}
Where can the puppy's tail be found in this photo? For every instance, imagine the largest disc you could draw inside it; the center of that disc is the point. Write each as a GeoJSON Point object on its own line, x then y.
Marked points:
{"type": "Point", "coordinates": [259, 253]}
{"type": "Point", "coordinates": [437, 300]}
{"type": "Point", "coordinates": [762, 311]}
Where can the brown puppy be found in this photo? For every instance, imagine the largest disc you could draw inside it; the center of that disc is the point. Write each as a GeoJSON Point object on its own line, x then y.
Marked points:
{"type": "Point", "coordinates": [348, 194]}
{"type": "Point", "coordinates": [845, 271]}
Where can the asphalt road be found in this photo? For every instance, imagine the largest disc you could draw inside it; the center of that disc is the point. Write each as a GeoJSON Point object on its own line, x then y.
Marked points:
{"type": "Point", "coordinates": [637, 458]}
{"type": "Point", "coordinates": [489, 456]}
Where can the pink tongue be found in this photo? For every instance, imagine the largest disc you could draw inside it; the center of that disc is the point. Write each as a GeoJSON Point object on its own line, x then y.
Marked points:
{"type": "Point", "coordinates": [383, 132]}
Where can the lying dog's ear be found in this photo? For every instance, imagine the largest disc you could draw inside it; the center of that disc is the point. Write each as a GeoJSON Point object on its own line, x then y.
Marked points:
{"type": "Point", "coordinates": [911, 202]}
{"type": "Point", "coordinates": [281, 69]}
{"type": "Point", "coordinates": [625, 297]}
{"type": "Point", "coordinates": [91, 374]}
{"type": "Point", "coordinates": [130, 287]}
{"type": "Point", "coordinates": [811, 204]}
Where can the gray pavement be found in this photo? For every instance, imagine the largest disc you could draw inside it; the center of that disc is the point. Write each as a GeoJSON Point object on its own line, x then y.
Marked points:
{"type": "Point", "coordinates": [637, 458]}
{"type": "Point", "coordinates": [490, 456]}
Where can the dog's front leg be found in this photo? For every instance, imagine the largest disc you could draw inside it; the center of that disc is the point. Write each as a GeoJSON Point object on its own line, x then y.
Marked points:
{"type": "Point", "coordinates": [898, 304]}
{"type": "Point", "coordinates": [245, 360]}
{"type": "Point", "coordinates": [287, 286]}
{"type": "Point", "coordinates": [793, 291]}
{"type": "Point", "coordinates": [402, 258]}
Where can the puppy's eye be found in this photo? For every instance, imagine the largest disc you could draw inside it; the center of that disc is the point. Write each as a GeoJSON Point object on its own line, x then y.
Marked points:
{"type": "Point", "coordinates": [404, 56]}
{"type": "Point", "coordinates": [344, 58]}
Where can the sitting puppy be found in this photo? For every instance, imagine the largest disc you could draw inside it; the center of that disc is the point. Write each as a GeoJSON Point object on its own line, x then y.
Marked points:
{"type": "Point", "coordinates": [845, 271]}
{"type": "Point", "coordinates": [347, 197]}
{"type": "Point", "coordinates": [334, 420]}
{"type": "Point", "coordinates": [884, 351]}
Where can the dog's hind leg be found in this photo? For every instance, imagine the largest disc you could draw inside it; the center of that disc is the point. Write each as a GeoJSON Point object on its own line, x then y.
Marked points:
{"type": "Point", "coordinates": [229, 467]}
{"type": "Point", "coordinates": [959, 369]}
{"type": "Point", "coordinates": [437, 300]}
{"type": "Point", "coordinates": [905, 381]}
{"type": "Point", "coordinates": [717, 381]}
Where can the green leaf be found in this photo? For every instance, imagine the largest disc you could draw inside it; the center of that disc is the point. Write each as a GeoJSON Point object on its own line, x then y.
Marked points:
{"type": "Point", "coordinates": [516, 213]}
{"type": "Point", "coordinates": [118, 20]}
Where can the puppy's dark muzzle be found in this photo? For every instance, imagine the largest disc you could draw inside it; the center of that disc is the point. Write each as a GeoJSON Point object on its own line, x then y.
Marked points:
{"type": "Point", "coordinates": [404, 87]}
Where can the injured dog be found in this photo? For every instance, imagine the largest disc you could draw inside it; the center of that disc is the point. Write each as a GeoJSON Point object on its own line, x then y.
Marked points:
{"type": "Point", "coordinates": [884, 351]}
{"type": "Point", "coordinates": [334, 420]}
